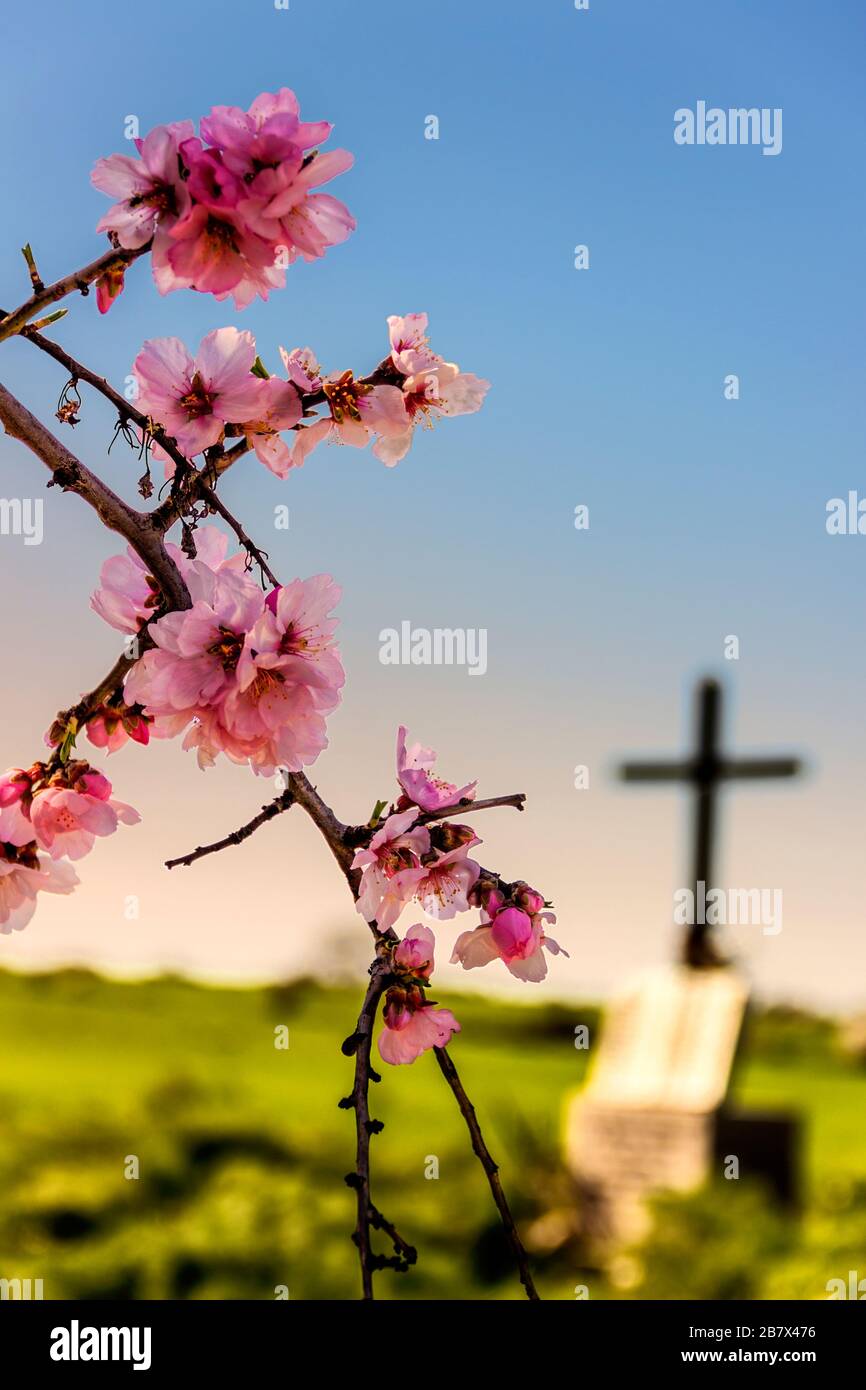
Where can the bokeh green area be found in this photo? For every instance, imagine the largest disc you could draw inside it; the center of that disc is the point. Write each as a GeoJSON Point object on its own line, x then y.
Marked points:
{"type": "Point", "coordinates": [241, 1152]}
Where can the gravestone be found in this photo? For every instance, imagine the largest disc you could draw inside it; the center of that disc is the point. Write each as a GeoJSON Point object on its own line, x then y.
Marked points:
{"type": "Point", "coordinates": [647, 1118]}
{"type": "Point", "coordinates": [654, 1113]}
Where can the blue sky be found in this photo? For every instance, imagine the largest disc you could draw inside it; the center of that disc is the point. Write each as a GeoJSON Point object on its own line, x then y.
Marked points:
{"type": "Point", "coordinates": [706, 515]}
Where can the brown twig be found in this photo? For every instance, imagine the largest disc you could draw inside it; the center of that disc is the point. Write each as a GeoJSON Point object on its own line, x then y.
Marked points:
{"type": "Point", "coordinates": [517, 800]}
{"type": "Point", "coordinates": [237, 837]}
{"type": "Point", "coordinates": [81, 280]}
{"type": "Point", "coordinates": [348, 838]}
{"type": "Point", "coordinates": [482, 1153]}
{"type": "Point", "coordinates": [216, 504]}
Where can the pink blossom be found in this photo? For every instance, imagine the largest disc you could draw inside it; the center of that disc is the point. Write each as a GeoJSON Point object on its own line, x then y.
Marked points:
{"type": "Point", "coordinates": [111, 726]}
{"type": "Point", "coordinates": [391, 868]}
{"type": "Point", "coordinates": [358, 413]}
{"type": "Point", "coordinates": [410, 351]}
{"type": "Point", "coordinates": [109, 287]}
{"type": "Point", "coordinates": [252, 680]}
{"type": "Point", "coordinates": [23, 874]}
{"type": "Point", "coordinates": [67, 816]}
{"type": "Point", "coordinates": [447, 880]}
{"type": "Point", "coordinates": [265, 136]}
{"type": "Point", "coordinates": [150, 191]}
{"type": "Point", "coordinates": [127, 594]}
{"type": "Point", "coordinates": [211, 549]}
{"type": "Point", "coordinates": [279, 409]}
{"type": "Point", "coordinates": [213, 250]}
{"type": "Point", "coordinates": [514, 937]}
{"type": "Point", "coordinates": [302, 369]}
{"type": "Point", "coordinates": [413, 956]}
{"type": "Point", "coordinates": [198, 649]}
{"type": "Point", "coordinates": [289, 677]}
{"type": "Point", "coordinates": [413, 1026]}
{"type": "Point", "coordinates": [420, 785]}
{"type": "Point", "coordinates": [209, 180]}
{"type": "Point", "coordinates": [15, 798]}
{"type": "Point", "coordinates": [431, 393]}
{"type": "Point", "coordinates": [228, 211]}
{"type": "Point", "coordinates": [431, 386]}
{"type": "Point", "coordinates": [194, 398]}
{"type": "Point", "coordinates": [290, 217]}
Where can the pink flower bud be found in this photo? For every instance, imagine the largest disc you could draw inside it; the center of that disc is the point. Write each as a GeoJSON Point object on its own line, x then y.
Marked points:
{"type": "Point", "coordinates": [526, 898]}
{"type": "Point", "coordinates": [512, 933]}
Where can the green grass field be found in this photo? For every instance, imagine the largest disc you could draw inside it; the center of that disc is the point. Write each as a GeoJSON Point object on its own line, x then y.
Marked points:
{"type": "Point", "coordinates": [241, 1152]}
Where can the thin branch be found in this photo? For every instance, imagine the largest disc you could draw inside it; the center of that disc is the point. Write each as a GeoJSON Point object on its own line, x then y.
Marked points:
{"type": "Point", "coordinates": [332, 829]}
{"type": "Point", "coordinates": [81, 280]}
{"type": "Point", "coordinates": [216, 504]}
{"type": "Point", "coordinates": [481, 1151]}
{"type": "Point", "coordinates": [347, 838]}
{"type": "Point", "coordinates": [125, 408]}
{"type": "Point", "coordinates": [517, 800]}
{"type": "Point", "coordinates": [70, 474]}
{"type": "Point", "coordinates": [237, 837]}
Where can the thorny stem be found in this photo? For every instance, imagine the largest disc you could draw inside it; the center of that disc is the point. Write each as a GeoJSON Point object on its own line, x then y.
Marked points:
{"type": "Point", "coordinates": [359, 1044]}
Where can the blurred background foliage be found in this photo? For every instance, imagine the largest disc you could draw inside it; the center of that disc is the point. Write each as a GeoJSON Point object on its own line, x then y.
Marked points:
{"type": "Point", "coordinates": [242, 1152]}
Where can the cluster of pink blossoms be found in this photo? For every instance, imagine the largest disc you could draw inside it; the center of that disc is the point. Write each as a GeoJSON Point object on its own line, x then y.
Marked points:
{"type": "Point", "coordinates": [250, 675]}
{"type": "Point", "coordinates": [429, 387]}
{"type": "Point", "coordinates": [412, 1024]}
{"type": "Point", "coordinates": [46, 819]}
{"type": "Point", "coordinates": [229, 209]}
{"type": "Point", "coordinates": [247, 674]}
{"type": "Point", "coordinates": [429, 864]}
{"type": "Point", "coordinates": [196, 399]}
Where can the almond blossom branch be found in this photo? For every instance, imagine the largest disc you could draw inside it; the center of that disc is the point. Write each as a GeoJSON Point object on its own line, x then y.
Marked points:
{"type": "Point", "coordinates": [217, 219]}
{"type": "Point", "coordinates": [116, 258]}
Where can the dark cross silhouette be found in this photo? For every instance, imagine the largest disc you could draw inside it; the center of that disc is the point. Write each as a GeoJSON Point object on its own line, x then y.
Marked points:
{"type": "Point", "coordinates": [704, 770]}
